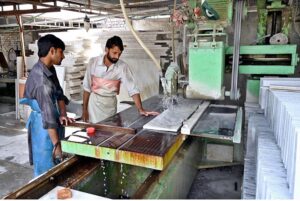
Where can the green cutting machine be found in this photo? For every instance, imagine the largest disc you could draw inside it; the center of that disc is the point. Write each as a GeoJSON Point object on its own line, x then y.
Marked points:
{"type": "Point", "coordinates": [209, 53]}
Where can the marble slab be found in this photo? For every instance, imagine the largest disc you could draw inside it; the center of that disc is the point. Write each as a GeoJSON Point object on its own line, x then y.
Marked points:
{"type": "Point", "coordinates": [282, 114]}
{"type": "Point", "coordinates": [172, 118]}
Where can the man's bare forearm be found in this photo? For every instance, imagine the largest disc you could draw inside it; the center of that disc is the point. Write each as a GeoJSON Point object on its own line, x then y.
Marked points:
{"type": "Point", "coordinates": [62, 108]}
{"type": "Point", "coordinates": [53, 135]}
{"type": "Point", "coordinates": [137, 101]}
{"type": "Point", "coordinates": [86, 97]}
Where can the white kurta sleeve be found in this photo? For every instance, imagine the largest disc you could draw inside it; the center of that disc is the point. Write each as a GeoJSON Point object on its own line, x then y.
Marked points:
{"type": "Point", "coordinates": [87, 81]}
{"type": "Point", "coordinates": [128, 80]}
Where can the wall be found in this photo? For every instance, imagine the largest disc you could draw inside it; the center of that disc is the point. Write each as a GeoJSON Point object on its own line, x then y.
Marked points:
{"type": "Point", "coordinates": [11, 40]}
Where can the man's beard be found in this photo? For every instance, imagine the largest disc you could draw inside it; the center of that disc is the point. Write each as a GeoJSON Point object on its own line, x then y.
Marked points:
{"type": "Point", "coordinates": [111, 59]}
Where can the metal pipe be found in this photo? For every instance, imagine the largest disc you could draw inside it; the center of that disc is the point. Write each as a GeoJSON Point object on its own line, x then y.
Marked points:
{"type": "Point", "coordinates": [21, 29]}
{"type": "Point", "coordinates": [173, 33]}
{"type": "Point", "coordinates": [236, 53]}
{"type": "Point", "coordinates": [214, 34]}
{"type": "Point", "coordinates": [138, 38]}
{"type": "Point", "coordinates": [184, 58]}
{"type": "Point", "coordinates": [274, 19]}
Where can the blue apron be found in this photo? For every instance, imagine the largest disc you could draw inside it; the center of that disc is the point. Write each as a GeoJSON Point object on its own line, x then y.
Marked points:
{"type": "Point", "coordinates": [40, 144]}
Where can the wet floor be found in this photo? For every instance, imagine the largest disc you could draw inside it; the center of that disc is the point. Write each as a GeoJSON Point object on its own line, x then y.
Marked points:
{"type": "Point", "coordinates": [15, 170]}
{"type": "Point", "coordinates": [217, 183]}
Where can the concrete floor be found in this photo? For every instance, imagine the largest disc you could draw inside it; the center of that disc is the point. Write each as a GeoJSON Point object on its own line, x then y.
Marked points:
{"type": "Point", "coordinates": [15, 170]}
{"type": "Point", "coordinates": [218, 183]}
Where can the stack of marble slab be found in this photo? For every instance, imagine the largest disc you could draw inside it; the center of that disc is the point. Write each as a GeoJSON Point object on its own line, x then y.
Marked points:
{"type": "Point", "coordinates": [273, 145]}
{"type": "Point", "coordinates": [74, 63]}
{"type": "Point", "coordinates": [267, 82]}
{"type": "Point", "coordinates": [284, 117]}
{"type": "Point", "coordinates": [265, 176]}
{"type": "Point", "coordinates": [76, 58]}
{"type": "Point", "coordinates": [256, 123]}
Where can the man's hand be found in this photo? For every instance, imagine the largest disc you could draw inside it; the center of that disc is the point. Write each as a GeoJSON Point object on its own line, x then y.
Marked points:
{"type": "Point", "coordinates": [85, 116]}
{"type": "Point", "coordinates": [138, 103]}
{"type": "Point", "coordinates": [64, 120]}
{"type": "Point", "coordinates": [57, 156]}
{"type": "Point", "coordinates": [148, 113]}
{"type": "Point", "coordinates": [57, 151]}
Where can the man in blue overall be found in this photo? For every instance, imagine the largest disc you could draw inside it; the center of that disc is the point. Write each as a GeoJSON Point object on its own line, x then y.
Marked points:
{"type": "Point", "coordinates": [48, 103]}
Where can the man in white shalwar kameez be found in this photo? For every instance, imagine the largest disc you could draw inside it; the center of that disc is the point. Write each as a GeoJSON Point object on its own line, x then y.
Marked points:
{"type": "Point", "coordinates": [102, 81]}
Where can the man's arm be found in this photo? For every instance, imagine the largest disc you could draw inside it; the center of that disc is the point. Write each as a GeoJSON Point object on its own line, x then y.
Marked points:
{"type": "Point", "coordinates": [85, 113]}
{"type": "Point", "coordinates": [63, 113]}
{"type": "Point", "coordinates": [138, 103]}
{"type": "Point", "coordinates": [62, 108]}
{"type": "Point", "coordinates": [55, 140]}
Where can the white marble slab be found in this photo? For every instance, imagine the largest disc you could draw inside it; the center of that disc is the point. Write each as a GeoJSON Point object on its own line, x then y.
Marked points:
{"type": "Point", "coordinates": [283, 114]}
{"type": "Point", "coordinates": [190, 123]}
{"type": "Point", "coordinates": [266, 82]}
{"type": "Point", "coordinates": [172, 118]}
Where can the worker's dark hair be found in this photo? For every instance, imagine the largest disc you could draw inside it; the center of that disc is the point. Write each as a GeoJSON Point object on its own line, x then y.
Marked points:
{"type": "Point", "coordinates": [114, 41]}
{"type": "Point", "coordinates": [48, 41]}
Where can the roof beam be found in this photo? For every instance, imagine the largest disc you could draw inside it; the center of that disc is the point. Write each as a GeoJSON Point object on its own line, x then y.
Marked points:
{"type": "Point", "coordinates": [21, 12]}
{"type": "Point", "coordinates": [16, 7]}
{"type": "Point", "coordinates": [33, 2]}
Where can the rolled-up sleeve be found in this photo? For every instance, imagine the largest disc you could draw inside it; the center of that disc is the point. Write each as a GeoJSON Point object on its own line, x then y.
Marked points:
{"type": "Point", "coordinates": [128, 80]}
{"type": "Point", "coordinates": [61, 96]}
{"type": "Point", "coordinates": [48, 110]}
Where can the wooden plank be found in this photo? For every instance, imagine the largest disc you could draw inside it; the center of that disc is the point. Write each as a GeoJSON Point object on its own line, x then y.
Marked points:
{"type": "Point", "coordinates": [103, 127]}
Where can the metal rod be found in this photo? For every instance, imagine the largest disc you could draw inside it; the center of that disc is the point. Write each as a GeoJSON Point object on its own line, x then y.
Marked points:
{"type": "Point", "coordinates": [274, 19]}
{"type": "Point", "coordinates": [184, 54]}
{"type": "Point", "coordinates": [173, 33]}
{"type": "Point", "coordinates": [21, 29]}
{"type": "Point", "coordinates": [216, 34]}
{"type": "Point", "coordinates": [236, 53]}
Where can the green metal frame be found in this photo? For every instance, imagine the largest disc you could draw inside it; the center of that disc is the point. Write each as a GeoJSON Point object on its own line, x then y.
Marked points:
{"type": "Point", "coordinates": [263, 9]}
{"type": "Point", "coordinates": [122, 156]}
{"type": "Point", "coordinates": [206, 68]}
{"type": "Point", "coordinates": [252, 92]}
{"type": "Point", "coordinates": [286, 20]}
{"type": "Point", "coordinates": [276, 4]}
{"type": "Point", "coordinates": [268, 50]}
{"type": "Point", "coordinates": [262, 25]}
{"type": "Point", "coordinates": [278, 70]}
{"type": "Point", "coordinates": [174, 182]}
